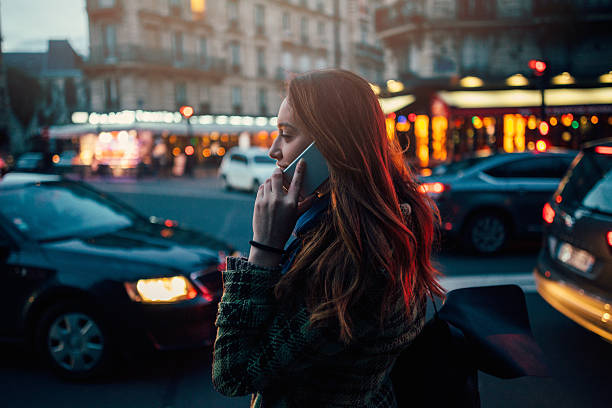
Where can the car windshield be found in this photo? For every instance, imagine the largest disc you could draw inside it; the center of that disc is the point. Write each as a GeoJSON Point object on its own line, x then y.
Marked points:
{"type": "Point", "coordinates": [589, 183]}
{"type": "Point", "coordinates": [456, 167]}
{"type": "Point", "coordinates": [264, 160]}
{"type": "Point", "coordinates": [61, 210]}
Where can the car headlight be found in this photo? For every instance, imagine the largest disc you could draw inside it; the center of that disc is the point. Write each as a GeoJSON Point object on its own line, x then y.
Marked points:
{"type": "Point", "coordinates": [161, 290]}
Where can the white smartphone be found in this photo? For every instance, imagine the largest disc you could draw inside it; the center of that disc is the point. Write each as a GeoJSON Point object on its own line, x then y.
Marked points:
{"type": "Point", "coordinates": [316, 174]}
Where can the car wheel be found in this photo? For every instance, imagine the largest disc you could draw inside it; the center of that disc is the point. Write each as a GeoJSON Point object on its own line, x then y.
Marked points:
{"type": "Point", "coordinates": [486, 233]}
{"type": "Point", "coordinates": [226, 185]}
{"type": "Point", "coordinates": [74, 340]}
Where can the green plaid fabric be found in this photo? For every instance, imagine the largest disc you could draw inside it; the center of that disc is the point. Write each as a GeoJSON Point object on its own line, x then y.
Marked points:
{"type": "Point", "coordinates": [264, 350]}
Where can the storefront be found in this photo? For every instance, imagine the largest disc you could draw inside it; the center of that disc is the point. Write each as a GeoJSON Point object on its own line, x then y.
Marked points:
{"type": "Point", "coordinates": [160, 142]}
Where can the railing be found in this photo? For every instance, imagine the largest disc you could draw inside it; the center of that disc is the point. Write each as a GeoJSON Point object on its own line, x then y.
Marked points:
{"type": "Point", "coordinates": [369, 51]}
{"type": "Point", "coordinates": [104, 7]}
{"type": "Point", "coordinates": [152, 56]}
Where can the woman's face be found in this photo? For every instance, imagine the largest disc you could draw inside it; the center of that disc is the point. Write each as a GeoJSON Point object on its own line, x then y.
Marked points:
{"type": "Point", "coordinates": [292, 138]}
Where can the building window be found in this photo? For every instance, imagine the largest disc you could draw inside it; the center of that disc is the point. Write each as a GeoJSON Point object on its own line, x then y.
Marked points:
{"type": "Point", "coordinates": [304, 63]}
{"type": "Point", "coordinates": [260, 19]}
{"type": "Point", "coordinates": [364, 34]}
{"type": "Point", "coordinates": [177, 46]}
{"type": "Point", "coordinates": [321, 29]}
{"type": "Point", "coordinates": [304, 30]}
{"type": "Point", "coordinates": [235, 56]}
{"type": "Point", "coordinates": [287, 61]}
{"type": "Point", "coordinates": [321, 63]}
{"type": "Point", "coordinates": [198, 7]}
{"type": "Point", "coordinates": [180, 94]}
{"type": "Point", "coordinates": [261, 62]}
{"type": "Point", "coordinates": [109, 43]}
{"type": "Point", "coordinates": [286, 22]}
{"type": "Point", "coordinates": [262, 96]}
{"type": "Point", "coordinates": [111, 95]}
{"type": "Point", "coordinates": [237, 99]}
{"type": "Point", "coordinates": [232, 11]}
{"type": "Point", "coordinates": [175, 8]}
{"type": "Point", "coordinates": [320, 6]}
{"type": "Point", "coordinates": [106, 3]}
{"type": "Point", "coordinates": [203, 49]}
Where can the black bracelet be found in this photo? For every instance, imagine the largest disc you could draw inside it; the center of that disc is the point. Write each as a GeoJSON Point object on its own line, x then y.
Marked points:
{"type": "Point", "coordinates": [267, 248]}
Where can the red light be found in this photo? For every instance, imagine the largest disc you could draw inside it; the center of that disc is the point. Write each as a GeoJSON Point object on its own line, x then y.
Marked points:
{"type": "Point", "coordinates": [412, 117]}
{"type": "Point", "coordinates": [532, 64]}
{"type": "Point", "coordinates": [170, 223]}
{"type": "Point", "coordinates": [186, 111]}
{"type": "Point", "coordinates": [205, 293]}
{"type": "Point", "coordinates": [603, 149]}
{"type": "Point", "coordinates": [609, 236]}
{"type": "Point", "coordinates": [540, 66]}
{"type": "Point", "coordinates": [391, 116]}
{"type": "Point", "coordinates": [558, 199]}
{"type": "Point", "coordinates": [548, 213]}
{"type": "Point", "coordinates": [189, 150]}
{"type": "Point", "coordinates": [547, 274]}
{"type": "Point", "coordinates": [540, 145]}
{"type": "Point", "coordinates": [448, 226]}
{"type": "Point", "coordinates": [544, 128]}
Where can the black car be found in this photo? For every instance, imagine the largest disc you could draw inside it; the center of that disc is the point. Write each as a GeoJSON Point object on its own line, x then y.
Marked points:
{"type": "Point", "coordinates": [484, 201]}
{"type": "Point", "coordinates": [574, 269]}
{"type": "Point", "coordinates": [85, 276]}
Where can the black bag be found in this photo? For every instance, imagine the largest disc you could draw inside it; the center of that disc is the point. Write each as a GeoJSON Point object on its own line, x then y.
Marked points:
{"type": "Point", "coordinates": [481, 328]}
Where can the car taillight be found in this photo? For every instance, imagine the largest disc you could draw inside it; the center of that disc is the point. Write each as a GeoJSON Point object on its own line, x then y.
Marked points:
{"type": "Point", "coordinates": [609, 236]}
{"type": "Point", "coordinates": [548, 213]}
{"type": "Point", "coordinates": [603, 149]}
{"type": "Point", "coordinates": [433, 188]}
{"type": "Point", "coordinates": [222, 261]}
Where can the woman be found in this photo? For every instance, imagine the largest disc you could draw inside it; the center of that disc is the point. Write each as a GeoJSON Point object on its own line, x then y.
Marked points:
{"type": "Point", "coordinates": [322, 324]}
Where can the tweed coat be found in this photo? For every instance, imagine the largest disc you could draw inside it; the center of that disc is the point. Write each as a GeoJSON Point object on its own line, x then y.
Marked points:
{"type": "Point", "coordinates": [273, 353]}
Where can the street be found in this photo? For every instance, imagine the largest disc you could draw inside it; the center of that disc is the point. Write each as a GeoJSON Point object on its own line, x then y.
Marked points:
{"type": "Point", "coordinates": [578, 359]}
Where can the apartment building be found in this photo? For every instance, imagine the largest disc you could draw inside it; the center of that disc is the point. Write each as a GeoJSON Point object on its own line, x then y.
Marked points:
{"type": "Point", "coordinates": [221, 57]}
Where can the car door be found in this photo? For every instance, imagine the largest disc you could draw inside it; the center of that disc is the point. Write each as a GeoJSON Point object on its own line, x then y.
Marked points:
{"type": "Point", "coordinates": [22, 272]}
{"type": "Point", "coordinates": [530, 182]}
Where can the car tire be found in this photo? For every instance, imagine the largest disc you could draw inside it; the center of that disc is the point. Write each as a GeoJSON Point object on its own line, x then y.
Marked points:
{"type": "Point", "coordinates": [486, 233]}
{"type": "Point", "coordinates": [74, 340]}
{"type": "Point", "coordinates": [226, 185]}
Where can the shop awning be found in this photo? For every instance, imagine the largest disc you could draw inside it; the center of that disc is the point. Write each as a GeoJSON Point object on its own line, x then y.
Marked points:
{"type": "Point", "coordinates": [69, 131]}
{"type": "Point", "coordinates": [523, 98]}
{"type": "Point", "coordinates": [395, 103]}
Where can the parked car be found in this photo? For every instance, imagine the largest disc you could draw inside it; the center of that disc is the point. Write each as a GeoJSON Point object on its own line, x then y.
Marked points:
{"type": "Point", "coordinates": [30, 161]}
{"type": "Point", "coordinates": [574, 268]}
{"type": "Point", "coordinates": [486, 200]}
{"type": "Point", "coordinates": [85, 276]}
{"type": "Point", "coordinates": [246, 169]}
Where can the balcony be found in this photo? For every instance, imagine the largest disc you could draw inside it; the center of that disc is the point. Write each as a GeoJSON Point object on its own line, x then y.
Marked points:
{"type": "Point", "coordinates": [367, 51]}
{"type": "Point", "coordinates": [105, 8]}
{"type": "Point", "coordinates": [150, 58]}
{"type": "Point", "coordinates": [397, 14]}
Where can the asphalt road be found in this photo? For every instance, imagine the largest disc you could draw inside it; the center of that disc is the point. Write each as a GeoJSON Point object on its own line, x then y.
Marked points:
{"type": "Point", "coordinates": [579, 361]}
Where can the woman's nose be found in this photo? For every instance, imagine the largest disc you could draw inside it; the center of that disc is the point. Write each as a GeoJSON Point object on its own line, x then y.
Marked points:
{"type": "Point", "coordinates": [275, 151]}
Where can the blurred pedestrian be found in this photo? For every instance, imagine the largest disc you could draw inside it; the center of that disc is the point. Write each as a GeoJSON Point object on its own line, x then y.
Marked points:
{"type": "Point", "coordinates": [321, 323]}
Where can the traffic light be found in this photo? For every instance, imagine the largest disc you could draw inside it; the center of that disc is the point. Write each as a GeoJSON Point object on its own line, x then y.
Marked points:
{"type": "Point", "coordinates": [186, 111]}
{"type": "Point", "coordinates": [538, 67]}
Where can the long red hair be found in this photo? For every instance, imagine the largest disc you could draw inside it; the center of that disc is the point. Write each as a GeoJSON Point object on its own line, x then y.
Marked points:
{"type": "Point", "coordinates": [364, 235]}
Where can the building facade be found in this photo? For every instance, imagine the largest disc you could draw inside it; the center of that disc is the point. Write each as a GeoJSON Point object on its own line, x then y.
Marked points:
{"type": "Point", "coordinates": [499, 75]}
{"type": "Point", "coordinates": [221, 57]}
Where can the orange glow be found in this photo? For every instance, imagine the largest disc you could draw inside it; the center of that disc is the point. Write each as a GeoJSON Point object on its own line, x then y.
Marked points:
{"type": "Point", "coordinates": [170, 223]}
{"type": "Point", "coordinates": [390, 124]}
{"type": "Point", "coordinates": [274, 134]}
{"type": "Point", "coordinates": [558, 199]}
{"type": "Point", "coordinates": [540, 145]}
{"type": "Point", "coordinates": [567, 120]}
{"type": "Point", "coordinates": [56, 158]}
{"type": "Point", "coordinates": [262, 135]}
{"type": "Point", "coordinates": [477, 122]}
{"type": "Point", "coordinates": [532, 122]}
{"type": "Point", "coordinates": [206, 152]}
{"type": "Point", "coordinates": [594, 119]}
{"type": "Point", "coordinates": [224, 138]}
{"type": "Point", "coordinates": [166, 233]}
{"type": "Point", "coordinates": [176, 151]}
{"type": "Point", "coordinates": [514, 133]}
{"type": "Point", "coordinates": [439, 125]}
{"type": "Point", "coordinates": [543, 128]}
{"type": "Point", "coordinates": [603, 149]}
{"type": "Point", "coordinates": [198, 6]}
{"type": "Point", "coordinates": [186, 111]}
{"type": "Point", "coordinates": [609, 237]}
{"type": "Point", "coordinates": [220, 151]}
{"type": "Point", "coordinates": [548, 213]}
{"type": "Point", "coordinates": [421, 133]}
{"type": "Point", "coordinates": [553, 121]}
{"type": "Point", "coordinates": [435, 188]}
{"type": "Point", "coordinates": [402, 127]}
{"type": "Point", "coordinates": [189, 150]}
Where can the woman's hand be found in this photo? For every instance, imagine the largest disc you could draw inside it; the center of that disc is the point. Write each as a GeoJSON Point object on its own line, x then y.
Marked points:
{"type": "Point", "coordinates": [276, 211]}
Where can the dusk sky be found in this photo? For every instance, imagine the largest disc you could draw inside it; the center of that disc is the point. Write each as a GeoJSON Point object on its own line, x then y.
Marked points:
{"type": "Point", "coordinates": [27, 25]}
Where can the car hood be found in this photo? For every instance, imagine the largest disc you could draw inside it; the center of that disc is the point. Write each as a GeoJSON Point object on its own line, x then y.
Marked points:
{"type": "Point", "coordinates": [134, 252]}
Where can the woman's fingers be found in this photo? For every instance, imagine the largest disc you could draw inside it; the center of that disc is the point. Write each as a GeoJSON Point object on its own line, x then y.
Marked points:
{"type": "Point", "coordinates": [296, 183]}
{"type": "Point", "coordinates": [277, 181]}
